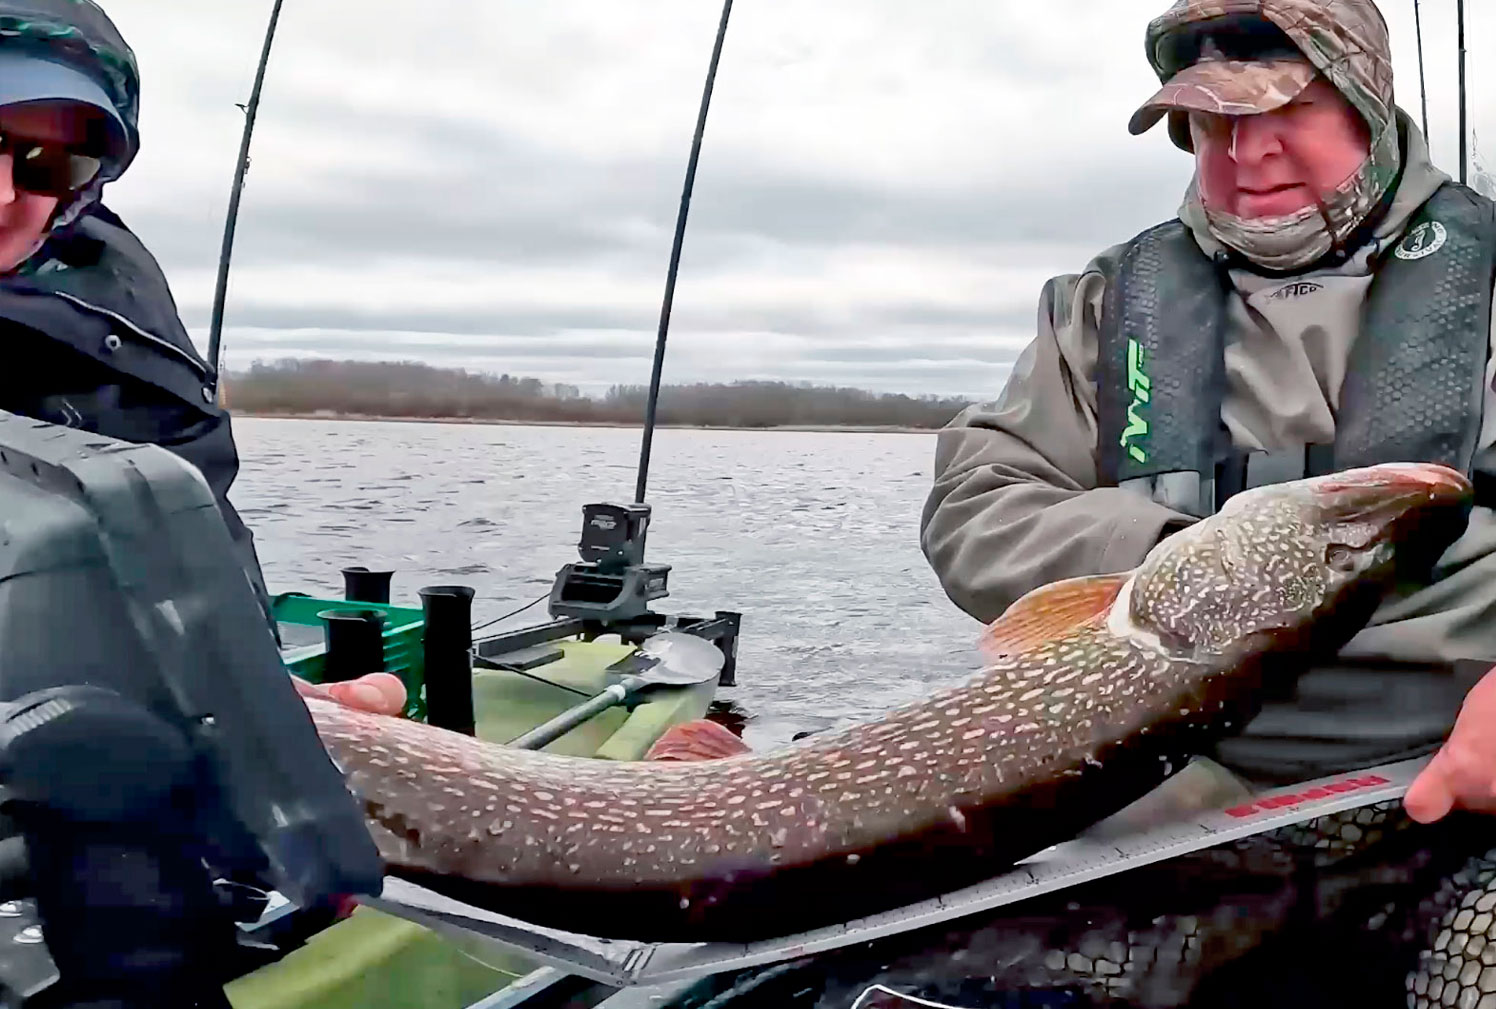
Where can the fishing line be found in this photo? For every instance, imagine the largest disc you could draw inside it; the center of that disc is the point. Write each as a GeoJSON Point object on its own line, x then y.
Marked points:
{"type": "Point", "coordinates": [504, 667]}
{"type": "Point", "coordinates": [513, 613]}
{"type": "Point", "coordinates": [1464, 156]}
{"type": "Point", "coordinates": [1422, 83]}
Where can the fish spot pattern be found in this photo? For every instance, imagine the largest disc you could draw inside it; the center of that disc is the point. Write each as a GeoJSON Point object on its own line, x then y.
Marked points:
{"type": "Point", "coordinates": [1025, 754]}
{"type": "Point", "coordinates": [999, 734]}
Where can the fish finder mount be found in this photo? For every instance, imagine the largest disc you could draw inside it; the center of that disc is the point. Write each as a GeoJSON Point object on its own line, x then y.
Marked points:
{"type": "Point", "coordinates": [611, 584]}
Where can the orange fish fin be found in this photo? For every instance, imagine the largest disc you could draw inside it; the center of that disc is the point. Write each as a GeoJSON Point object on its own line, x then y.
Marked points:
{"type": "Point", "coordinates": [701, 739]}
{"type": "Point", "coordinates": [381, 693]}
{"type": "Point", "coordinates": [1048, 612]}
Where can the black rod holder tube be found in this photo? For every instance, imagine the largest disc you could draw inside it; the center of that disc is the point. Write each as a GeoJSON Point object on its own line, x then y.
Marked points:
{"type": "Point", "coordinates": [355, 643]}
{"type": "Point", "coordinates": [447, 644]}
{"type": "Point", "coordinates": [729, 645]}
{"type": "Point", "coordinates": [364, 586]}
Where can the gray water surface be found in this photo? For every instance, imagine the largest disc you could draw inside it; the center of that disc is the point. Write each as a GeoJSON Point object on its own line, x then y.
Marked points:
{"type": "Point", "coordinates": [813, 537]}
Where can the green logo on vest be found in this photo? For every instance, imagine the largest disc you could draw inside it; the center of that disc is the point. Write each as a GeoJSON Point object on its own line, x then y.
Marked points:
{"type": "Point", "coordinates": [1137, 384]}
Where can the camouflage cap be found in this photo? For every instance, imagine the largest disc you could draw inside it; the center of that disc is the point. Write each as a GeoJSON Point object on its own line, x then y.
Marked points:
{"type": "Point", "coordinates": [1225, 87]}
{"type": "Point", "coordinates": [1344, 40]}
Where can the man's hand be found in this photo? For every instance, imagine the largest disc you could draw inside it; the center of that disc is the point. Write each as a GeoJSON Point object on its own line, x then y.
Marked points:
{"type": "Point", "coordinates": [1462, 775]}
{"type": "Point", "coordinates": [381, 693]}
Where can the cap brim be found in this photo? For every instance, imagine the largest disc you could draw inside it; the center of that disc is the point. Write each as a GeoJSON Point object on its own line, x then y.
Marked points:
{"type": "Point", "coordinates": [1226, 87]}
{"type": "Point", "coordinates": [26, 77]}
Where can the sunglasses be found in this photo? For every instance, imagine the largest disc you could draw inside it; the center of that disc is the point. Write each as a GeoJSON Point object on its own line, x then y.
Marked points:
{"type": "Point", "coordinates": [48, 167]}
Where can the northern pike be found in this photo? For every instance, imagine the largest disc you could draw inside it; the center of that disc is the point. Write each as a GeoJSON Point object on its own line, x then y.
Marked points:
{"type": "Point", "coordinates": [1095, 691]}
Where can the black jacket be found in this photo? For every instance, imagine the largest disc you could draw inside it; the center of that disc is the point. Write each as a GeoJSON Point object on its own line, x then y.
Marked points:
{"type": "Point", "coordinates": [93, 341]}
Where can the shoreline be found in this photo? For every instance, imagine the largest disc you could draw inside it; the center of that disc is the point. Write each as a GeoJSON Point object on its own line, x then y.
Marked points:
{"type": "Point", "coordinates": [359, 418]}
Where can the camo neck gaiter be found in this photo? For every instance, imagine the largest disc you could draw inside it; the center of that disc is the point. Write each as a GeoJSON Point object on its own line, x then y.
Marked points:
{"type": "Point", "coordinates": [1294, 241]}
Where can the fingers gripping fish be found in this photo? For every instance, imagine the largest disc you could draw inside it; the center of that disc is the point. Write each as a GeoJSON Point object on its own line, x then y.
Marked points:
{"type": "Point", "coordinates": [1095, 690]}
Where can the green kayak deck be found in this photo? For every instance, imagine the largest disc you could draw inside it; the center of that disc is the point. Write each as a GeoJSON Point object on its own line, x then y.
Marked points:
{"type": "Point", "coordinates": [374, 961]}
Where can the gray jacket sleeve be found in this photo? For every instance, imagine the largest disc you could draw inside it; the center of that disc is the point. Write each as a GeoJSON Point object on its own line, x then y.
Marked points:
{"type": "Point", "coordinates": [1015, 502]}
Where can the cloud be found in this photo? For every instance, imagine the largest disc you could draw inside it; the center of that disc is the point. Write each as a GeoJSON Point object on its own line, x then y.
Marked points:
{"type": "Point", "coordinates": [884, 186]}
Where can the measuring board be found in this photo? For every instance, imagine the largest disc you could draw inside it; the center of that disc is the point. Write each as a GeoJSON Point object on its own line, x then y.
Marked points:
{"type": "Point", "coordinates": [624, 963]}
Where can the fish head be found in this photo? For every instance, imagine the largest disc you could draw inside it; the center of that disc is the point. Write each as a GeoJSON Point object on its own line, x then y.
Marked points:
{"type": "Point", "coordinates": [1302, 564]}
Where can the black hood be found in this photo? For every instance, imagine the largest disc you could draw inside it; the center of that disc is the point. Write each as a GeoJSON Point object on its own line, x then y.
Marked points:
{"type": "Point", "coordinates": [79, 33]}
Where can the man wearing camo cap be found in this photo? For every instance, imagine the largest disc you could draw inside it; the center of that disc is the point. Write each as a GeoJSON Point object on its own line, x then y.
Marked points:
{"type": "Point", "coordinates": [1323, 300]}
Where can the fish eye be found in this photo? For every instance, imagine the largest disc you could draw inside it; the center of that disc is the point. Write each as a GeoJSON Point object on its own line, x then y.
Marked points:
{"type": "Point", "coordinates": [1339, 557]}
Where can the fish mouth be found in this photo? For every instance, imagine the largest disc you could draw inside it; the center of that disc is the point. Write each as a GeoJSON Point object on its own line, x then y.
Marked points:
{"type": "Point", "coordinates": [1394, 485]}
{"type": "Point", "coordinates": [1422, 508]}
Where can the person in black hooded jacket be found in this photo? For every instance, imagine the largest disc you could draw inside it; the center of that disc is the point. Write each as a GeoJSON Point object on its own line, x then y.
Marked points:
{"type": "Point", "coordinates": [91, 333]}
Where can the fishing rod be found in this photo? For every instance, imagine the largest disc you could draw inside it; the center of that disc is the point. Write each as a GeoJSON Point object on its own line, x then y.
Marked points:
{"type": "Point", "coordinates": [652, 407]}
{"type": "Point", "coordinates": [1464, 157]}
{"type": "Point", "coordinates": [215, 328]}
{"type": "Point", "coordinates": [1422, 82]}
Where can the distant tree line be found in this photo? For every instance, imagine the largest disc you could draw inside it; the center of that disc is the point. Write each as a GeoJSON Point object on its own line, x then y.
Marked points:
{"type": "Point", "coordinates": [415, 390]}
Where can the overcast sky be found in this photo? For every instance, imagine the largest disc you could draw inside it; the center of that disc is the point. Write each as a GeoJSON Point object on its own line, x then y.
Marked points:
{"type": "Point", "coordinates": [493, 184]}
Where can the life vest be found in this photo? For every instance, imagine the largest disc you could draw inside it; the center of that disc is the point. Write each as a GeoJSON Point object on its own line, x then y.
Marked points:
{"type": "Point", "coordinates": [1414, 385]}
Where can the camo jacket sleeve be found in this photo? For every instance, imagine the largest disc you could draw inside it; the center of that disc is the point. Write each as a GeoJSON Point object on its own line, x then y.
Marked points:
{"type": "Point", "coordinates": [1015, 502]}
